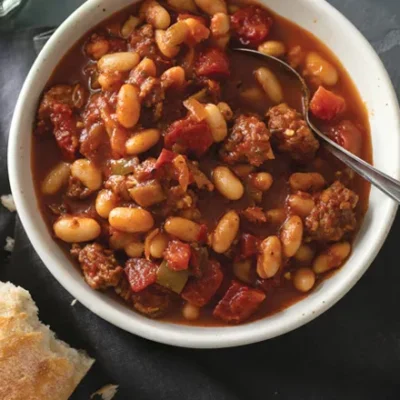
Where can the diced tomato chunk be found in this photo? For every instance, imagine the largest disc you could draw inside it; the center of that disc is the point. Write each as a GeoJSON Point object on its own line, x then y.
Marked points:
{"type": "Point", "coordinates": [248, 245]}
{"type": "Point", "coordinates": [140, 273]}
{"type": "Point", "coordinates": [239, 303]}
{"type": "Point", "coordinates": [347, 135]}
{"type": "Point", "coordinates": [213, 63]}
{"type": "Point", "coordinates": [199, 291]}
{"type": "Point", "coordinates": [177, 255]}
{"type": "Point", "coordinates": [154, 301]}
{"type": "Point", "coordinates": [326, 105]}
{"type": "Point", "coordinates": [190, 135]}
{"type": "Point", "coordinates": [251, 24]}
{"type": "Point", "coordinates": [65, 130]}
{"type": "Point", "coordinates": [165, 157]}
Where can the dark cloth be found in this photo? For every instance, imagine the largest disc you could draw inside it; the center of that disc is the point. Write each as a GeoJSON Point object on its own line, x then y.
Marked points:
{"type": "Point", "coordinates": [350, 352]}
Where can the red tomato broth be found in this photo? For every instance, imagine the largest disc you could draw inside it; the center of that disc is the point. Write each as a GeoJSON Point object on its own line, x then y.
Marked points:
{"type": "Point", "coordinates": [70, 71]}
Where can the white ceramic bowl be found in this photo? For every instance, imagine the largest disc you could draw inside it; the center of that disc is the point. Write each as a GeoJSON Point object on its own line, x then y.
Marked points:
{"type": "Point", "coordinates": [376, 90]}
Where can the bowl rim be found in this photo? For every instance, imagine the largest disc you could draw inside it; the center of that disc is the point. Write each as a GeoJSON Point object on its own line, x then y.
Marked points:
{"type": "Point", "coordinates": [168, 333]}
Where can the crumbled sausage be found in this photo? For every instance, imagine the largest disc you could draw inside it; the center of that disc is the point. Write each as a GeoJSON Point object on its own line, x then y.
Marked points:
{"type": "Point", "coordinates": [151, 91]}
{"type": "Point", "coordinates": [56, 114]}
{"type": "Point", "coordinates": [178, 199]}
{"type": "Point", "coordinates": [255, 214]}
{"type": "Point", "coordinates": [248, 141]}
{"type": "Point", "coordinates": [77, 190]}
{"type": "Point", "coordinates": [146, 170]}
{"type": "Point", "coordinates": [142, 41]}
{"type": "Point", "coordinates": [199, 178]}
{"type": "Point", "coordinates": [123, 289]}
{"type": "Point", "coordinates": [291, 134]}
{"type": "Point", "coordinates": [118, 185]}
{"type": "Point", "coordinates": [333, 214]}
{"type": "Point", "coordinates": [153, 301]}
{"type": "Point", "coordinates": [99, 265]}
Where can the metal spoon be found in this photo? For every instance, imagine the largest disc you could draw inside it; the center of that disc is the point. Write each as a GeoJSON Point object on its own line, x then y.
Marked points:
{"type": "Point", "coordinates": [379, 179]}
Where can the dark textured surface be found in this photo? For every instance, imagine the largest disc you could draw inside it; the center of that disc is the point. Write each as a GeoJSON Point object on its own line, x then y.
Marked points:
{"type": "Point", "coordinates": [350, 352]}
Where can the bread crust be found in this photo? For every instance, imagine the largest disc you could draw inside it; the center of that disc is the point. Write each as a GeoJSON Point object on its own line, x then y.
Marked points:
{"type": "Point", "coordinates": [34, 365]}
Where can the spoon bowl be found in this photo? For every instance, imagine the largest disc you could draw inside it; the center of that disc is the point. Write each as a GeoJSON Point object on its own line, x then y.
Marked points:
{"type": "Point", "coordinates": [382, 181]}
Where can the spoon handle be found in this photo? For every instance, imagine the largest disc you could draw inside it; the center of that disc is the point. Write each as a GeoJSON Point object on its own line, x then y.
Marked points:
{"type": "Point", "coordinates": [379, 179]}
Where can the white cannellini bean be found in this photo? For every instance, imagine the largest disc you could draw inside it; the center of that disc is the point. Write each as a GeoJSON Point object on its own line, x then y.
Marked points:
{"type": "Point", "coordinates": [301, 204]}
{"type": "Point", "coordinates": [227, 183]}
{"type": "Point", "coordinates": [128, 106]}
{"type": "Point", "coordinates": [219, 27]}
{"type": "Point", "coordinates": [225, 232]}
{"type": "Point", "coordinates": [305, 254]}
{"type": "Point", "coordinates": [319, 68]}
{"type": "Point", "coordinates": [262, 181]}
{"type": "Point", "coordinates": [304, 279]}
{"type": "Point", "coordinates": [123, 62]}
{"type": "Point", "coordinates": [176, 34]}
{"type": "Point", "coordinates": [190, 312]}
{"type": "Point", "coordinates": [166, 50]}
{"type": "Point", "coordinates": [73, 229]}
{"type": "Point", "coordinates": [158, 245]}
{"type": "Point", "coordinates": [155, 14]}
{"type": "Point", "coordinates": [306, 181]}
{"type": "Point", "coordinates": [56, 178]}
{"type": "Point", "coordinates": [173, 77]}
{"type": "Point", "coordinates": [184, 229]}
{"type": "Point", "coordinates": [87, 173]}
{"type": "Point", "coordinates": [291, 235]}
{"type": "Point", "coordinates": [106, 200]}
{"type": "Point", "coordinates": [216, 122]}
{"type": "Point", "coordinates": [142, 141]}
{"type": "Point", "coordinates": [131, 220]}
{"type": "Point", "coordinates": [134, 249]}
{"type": "Point", "coordinates": [272, 48]}
{"type": "Point", "coordinates": [270, 83]}
{"type": "Point", "coordinates": [146, 67]}
{"type": "Point", "coordinates": [219, 24]}
{"type": "Point", "coordinates": [198, 31]}
{"type": "Point", "coordinates": [226, 111]}
{"type": "Point", "coordinates": [129, 26]}
{"type": "Point", "coordinates": [270, 258]}
{"type": "Point", "coordinates": [276, 216]}
{"type": "Point", "coordinates": [332, 258]}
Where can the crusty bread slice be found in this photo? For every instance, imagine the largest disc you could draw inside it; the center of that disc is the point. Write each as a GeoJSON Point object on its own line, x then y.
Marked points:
{"type": "Point", "coordinates": [34, 365]}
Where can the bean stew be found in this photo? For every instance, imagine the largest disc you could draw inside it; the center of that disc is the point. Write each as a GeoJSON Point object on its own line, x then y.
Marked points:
{"type": "Point", "coordinates": [180, 175]}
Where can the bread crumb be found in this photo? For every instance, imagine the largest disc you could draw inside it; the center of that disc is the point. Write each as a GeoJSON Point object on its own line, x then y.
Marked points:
{"type": "Point", "coordinates": [9, 244]}
{"type": "Point", "coordinates": [106, 392]}
{"type": "Point", "coordinates": [8, 202]}
{"type": "Point", "coordinates": [73, 302]}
